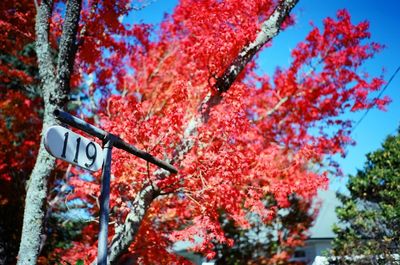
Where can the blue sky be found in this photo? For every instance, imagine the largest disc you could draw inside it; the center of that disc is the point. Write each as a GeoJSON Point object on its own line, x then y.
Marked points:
{"type": "Point", "coordinates": [384, 27]}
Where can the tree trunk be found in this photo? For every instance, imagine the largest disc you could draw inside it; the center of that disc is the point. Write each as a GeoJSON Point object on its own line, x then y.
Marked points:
{"type": "Point", "coordinates": [55, 92]}
{"type": "Point", "coordinates": [35, 206]}
{"type": "Point", "coordinates": [126, 233]}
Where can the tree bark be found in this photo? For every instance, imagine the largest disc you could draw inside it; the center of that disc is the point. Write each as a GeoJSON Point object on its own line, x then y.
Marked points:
{"type": "Point", "coordinates": [126, 234]}
{"type": "Point", "coordinates": [55, 92]}
{"type": "Point", "coordinates": [269, 29]}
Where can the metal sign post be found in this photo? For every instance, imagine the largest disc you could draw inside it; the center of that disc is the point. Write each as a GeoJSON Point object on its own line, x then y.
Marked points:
{"type": "Point", "coordinates": [109, 141]}
{"type": "Point", "coordinates": [104, 202]}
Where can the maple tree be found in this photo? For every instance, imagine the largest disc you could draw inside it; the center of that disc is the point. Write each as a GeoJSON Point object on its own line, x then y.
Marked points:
{"type": "Point", "coordinates": [192, 97]}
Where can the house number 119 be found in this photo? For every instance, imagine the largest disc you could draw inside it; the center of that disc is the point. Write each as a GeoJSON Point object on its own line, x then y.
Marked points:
{"type": "Point", "coordinates": [73, 148]}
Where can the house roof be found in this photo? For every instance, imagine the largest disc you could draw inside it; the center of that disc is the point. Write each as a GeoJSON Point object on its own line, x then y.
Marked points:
{"type": "Point", "coordinates": [322, 227]}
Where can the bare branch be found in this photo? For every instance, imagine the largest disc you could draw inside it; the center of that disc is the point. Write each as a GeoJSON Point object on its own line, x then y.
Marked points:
{"type": "Point", "coordinates": [36, 5]}
{"type": "Point", "coordinates": [43, 50]}
{"type": "Point", "coordinates": [82, 34]}
{"type": "Point", "coordinates": [125, 234]}
{"type": "Point", "coordinates": [67, 49]}
{"type": "Point", "coordinates": [269, 29]}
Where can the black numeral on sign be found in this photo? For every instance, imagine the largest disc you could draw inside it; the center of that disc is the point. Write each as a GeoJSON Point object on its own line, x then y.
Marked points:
{"type": "Point", "coordinates": [65, 145]}
{"type": "Point", "coordinates": [92, 156]}
{"type": "Point", "coordinates": [78, 142]}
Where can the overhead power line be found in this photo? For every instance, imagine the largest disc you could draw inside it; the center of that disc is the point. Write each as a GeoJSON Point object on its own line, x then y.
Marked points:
{"type": "Point", "coordinates": [379, 96]}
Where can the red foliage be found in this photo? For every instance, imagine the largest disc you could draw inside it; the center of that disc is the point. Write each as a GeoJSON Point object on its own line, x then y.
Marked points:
{"type": "Point", "coordinates": [19, 140]}
{"type": "Point", "coordinates": [19, 118]}
{"type": "Point", "coordinates": [267, 137]}
{"type": "Point", "coordinates": [18, 112]}
{"type": "Point", "coordinates": [16, 31]}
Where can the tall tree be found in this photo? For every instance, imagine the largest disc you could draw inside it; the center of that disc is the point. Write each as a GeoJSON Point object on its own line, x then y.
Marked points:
{"type": "Point", "coordinates": [369, 228]}
{"type": "Point", "coordinates": [55, 84]}
{"type": "Point", "coordinates": [191, 96]}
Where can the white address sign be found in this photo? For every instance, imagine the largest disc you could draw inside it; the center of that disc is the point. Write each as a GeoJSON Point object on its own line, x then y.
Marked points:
{"type": "Point", "coordinates": [73, 148]}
